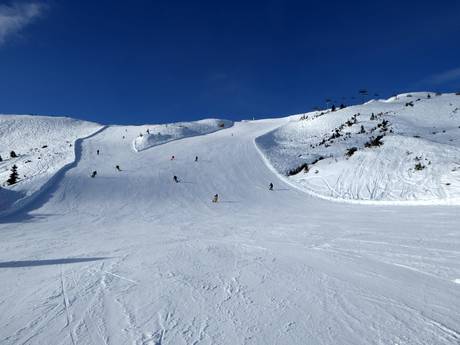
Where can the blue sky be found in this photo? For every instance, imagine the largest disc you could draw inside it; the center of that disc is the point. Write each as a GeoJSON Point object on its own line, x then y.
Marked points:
{"type": "Point", "coordinates": [163, 61]}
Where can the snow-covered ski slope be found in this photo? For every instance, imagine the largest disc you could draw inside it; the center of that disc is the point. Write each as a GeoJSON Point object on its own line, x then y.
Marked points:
{"type": "Point", "coordinates": [43, 145]}
{"type": "Point", "coordinates": [417, 162]}
{"type": "Point", "coordinates": [130, 257]}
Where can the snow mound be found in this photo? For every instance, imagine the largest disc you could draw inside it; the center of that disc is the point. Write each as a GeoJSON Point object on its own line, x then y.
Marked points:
{"type": "Point", "coordinates": [43, 146]}
{"type": "Point", "coordinates": [402, 150]}
{"type": "Point", "coordinates": [161, 134]}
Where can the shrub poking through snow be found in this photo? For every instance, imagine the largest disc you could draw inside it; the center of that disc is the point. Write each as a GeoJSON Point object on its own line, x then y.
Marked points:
{"type": "Point", "coordinates": [295, 171]}
{"type": "Point", "coordinates": [374, 142]}
{"type": "Point", "coordinates": [351, 151]}
{"type": "Point", "coordinates": [13, 176]}
{"type": "Point", "coordinates": [13, 154]}
{"type": "Point", "coordinates": [419, 166]}
{"type": "Point", "coordinates": [320, 158]}
{"type": "Point", "coordinates": [383, 125]}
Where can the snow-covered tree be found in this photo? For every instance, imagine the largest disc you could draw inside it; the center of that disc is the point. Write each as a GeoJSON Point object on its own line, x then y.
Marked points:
{"type": "Point", "coordinates": [13, 176]}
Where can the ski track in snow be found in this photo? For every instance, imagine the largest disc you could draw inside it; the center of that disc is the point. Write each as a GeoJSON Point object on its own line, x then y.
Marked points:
{"type": "Point", "coordinates": [164, 265]}
{"type": "Point", "coordinates": [425, 134]}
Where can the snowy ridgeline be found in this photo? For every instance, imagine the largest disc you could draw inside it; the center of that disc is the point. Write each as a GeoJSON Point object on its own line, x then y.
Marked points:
{"type": "Point", "coordinates": [160, 134]}
{"type": "Point", "coordinates": [43, 145]}
{"type": "Point", "coordinates": [405, 149]}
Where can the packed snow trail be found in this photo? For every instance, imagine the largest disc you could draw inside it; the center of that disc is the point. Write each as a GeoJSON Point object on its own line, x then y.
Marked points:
{"type": "Point", "coordinates": [130, 257]}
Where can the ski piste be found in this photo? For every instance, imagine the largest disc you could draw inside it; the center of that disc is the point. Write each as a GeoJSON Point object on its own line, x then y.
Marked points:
{"type": "Point", "coordinates": [130, 257]}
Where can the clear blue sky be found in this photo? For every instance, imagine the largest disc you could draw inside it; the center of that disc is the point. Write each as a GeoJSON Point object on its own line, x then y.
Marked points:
{"type": "Point", "coordinates": [163, 61]}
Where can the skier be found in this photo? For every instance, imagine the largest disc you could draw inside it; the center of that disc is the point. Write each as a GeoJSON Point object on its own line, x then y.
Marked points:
{"type": "Point", "coordinates": [175, 179]}
{"type": "Point", "coordinates": [270, 186]}
{"type": "Point", "coordinates": [93, 175]}
{"type": "Point", "coordinates": [97, 152]}
{"type": "Point", "coordinates": [196, 158]}
{"type": "Point", "coordinates": [117, 167]}
{"type": "Point", "coordinates": [173, 158]}
{"type": "Point", "coordinates": [215, 198]}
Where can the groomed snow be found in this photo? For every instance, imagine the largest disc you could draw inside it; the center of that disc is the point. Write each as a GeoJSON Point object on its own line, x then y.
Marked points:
{"type": "Point", "coordinates": [44, 146]}
{"type": "Point", "coordinates": [418, 161]}
{"type": "Point", "coordinates": [161, 134]}
{"type": "Point", "coordinates": [131, 257]}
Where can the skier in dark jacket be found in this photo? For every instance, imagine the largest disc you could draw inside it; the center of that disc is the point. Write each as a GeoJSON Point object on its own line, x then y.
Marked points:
{"type": "Point", "coordinates": [93, 175]}
{"type": "Point", "coordinates": [215, 198]}
{"type": "Point", "coordinates": [117, 167]}
{"type": "Point", "coordinates": [196, 158]}
{"type": "Point", "coordinates": [175, 179]}
{"type": "Point", "coordinates": [270, 186]}
{"type": "Point", "coordinates": [97, 152]}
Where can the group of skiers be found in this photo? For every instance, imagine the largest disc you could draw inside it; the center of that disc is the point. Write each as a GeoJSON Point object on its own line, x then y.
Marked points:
{"type": "Point", "coordinates": [215, 198]}
{"type": "Point", "coordinates": [94, 173]}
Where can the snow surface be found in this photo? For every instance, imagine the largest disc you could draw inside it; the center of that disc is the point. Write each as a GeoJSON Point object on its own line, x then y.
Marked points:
{"type": "Point", "coordinates": [161, 134]}
{"type": "Point", "coordinates": [130, 257]}
{"type": "Point", "coordinates": [424, 133]}
{"type": "Point", "coordinates": [44, 146]}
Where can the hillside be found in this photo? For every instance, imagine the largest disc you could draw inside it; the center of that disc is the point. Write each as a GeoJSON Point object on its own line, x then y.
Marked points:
{"type": "Point", "coordinates": [402, 150]}
{"type": "Point", "coordinates": [43, 146]}
{"type": "Point", "coordinates": [161, 134]}
{"type": "Point", "coordinates": [132, 257]}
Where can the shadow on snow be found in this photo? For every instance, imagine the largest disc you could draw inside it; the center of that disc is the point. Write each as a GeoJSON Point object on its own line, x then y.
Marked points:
{"type": "Point", "coordinates": [32, 263]}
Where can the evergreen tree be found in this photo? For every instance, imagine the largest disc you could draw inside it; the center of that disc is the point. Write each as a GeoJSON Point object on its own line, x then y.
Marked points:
{"type": "Point", "coordinates": [13, 176]}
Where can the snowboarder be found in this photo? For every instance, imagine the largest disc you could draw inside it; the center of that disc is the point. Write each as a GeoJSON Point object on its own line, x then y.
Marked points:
{"type": "Point", "coordinates": [117, 167]}
{"type": "Point", "coordinates": [175, 179]}
{"type": "Point", "coordinates": [93, 175]}
{"type": "Point", "coordinates": [215, 198]}
{"type": "Point", "coordinates": [97, 152]}
{"type": "Point", "coordinates": [173, 158]}
{"type": "Point", "coordinates": [196, 158]}
{"type": "Point", "coordinates": [270, 186]}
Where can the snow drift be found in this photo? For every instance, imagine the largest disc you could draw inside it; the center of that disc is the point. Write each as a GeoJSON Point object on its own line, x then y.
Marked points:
{"type": "Point", "coordinates": [402, 150]}
{"type": "Point", "coordinates": [161, 134]}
